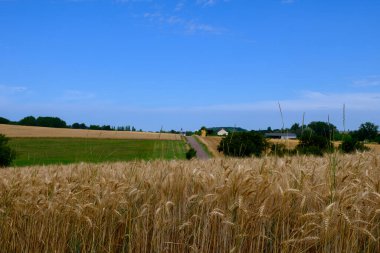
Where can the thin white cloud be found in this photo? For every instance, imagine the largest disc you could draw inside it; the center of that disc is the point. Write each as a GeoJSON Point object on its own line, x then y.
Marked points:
{"type": "Point", "coordinates": [209, 3]}
{"type": "Point", "coordinates": [308, 101]}
{"type": "Point", "coordinates": [76, 95]}
{"type": "Point", "coordinates": [288, 1]}
{"type": "Point", "coordinates": [180, 5]}
{"type": "Point", "coordinates": [7, 89]}
{"type": "Point", "coordinates": [360, 107]}
{"type": "Point", "coordinates": [206, 2]}
{"type": "Point", "coordinates": [370, 81]}
{"type": "Point", "coordinates": [187, 26]}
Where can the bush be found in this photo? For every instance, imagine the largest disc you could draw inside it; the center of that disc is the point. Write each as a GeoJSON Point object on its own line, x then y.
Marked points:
{"type": "Point", "coordinates": [350, 145]}
{"type": "Point", "coordinates": [367, 132]}
{"type": "Point", "coordinates": [191, 153]}
{"type": "Point", "coordinates": [7, 155]}
{"type": "Point", "coordinates": [4, 121]}
{"type": "Point", "coordinates": [377, 139]}
{"type": "Point", "coordinates": [243, 144]}
{"type": "Point", "coordinates": [314, 144]}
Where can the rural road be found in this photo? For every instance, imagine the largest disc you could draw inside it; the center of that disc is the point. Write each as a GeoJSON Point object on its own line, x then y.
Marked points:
{"type": "Point", "coordinates": [201, 154]}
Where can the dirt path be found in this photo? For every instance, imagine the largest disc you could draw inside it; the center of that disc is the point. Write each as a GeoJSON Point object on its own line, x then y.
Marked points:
{"type": "Point", "coordinates": [201, 154]}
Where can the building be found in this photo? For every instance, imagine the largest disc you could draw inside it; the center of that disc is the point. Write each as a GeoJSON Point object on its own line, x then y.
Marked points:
{"type": "Point", "coordinates": [282, 136]}
{"type": "Point", "coordinates": [222, 132]}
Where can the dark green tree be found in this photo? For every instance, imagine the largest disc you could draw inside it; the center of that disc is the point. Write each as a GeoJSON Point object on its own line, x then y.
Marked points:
{"type": "Point", "coordinates": [79, 126]}
{"type": "Point", "coordinates": [350, 145]}
{"type": "Point", "coordinates": [314, 144]}
{"type": "Point", "coordinates": [28, 121]}
{"type": "Point", "coordinates": [4, 121]}
{"type": "Point", "coordinates": [367, 131]}
{"type": "Point", "coordinates": [7, 155]}
{"type": "Point", "coordinates": [243, 144]}
{"type": "Point", "coordinates": [324, 129]}
{"type": "Point", "coordinates": [50, 122]}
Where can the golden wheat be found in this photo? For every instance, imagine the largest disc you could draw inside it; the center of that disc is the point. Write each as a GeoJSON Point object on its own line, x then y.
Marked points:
{"type": "Point", "coordinates": [48, 132]}
{"type": "Point", "coordinates": [223, 205]}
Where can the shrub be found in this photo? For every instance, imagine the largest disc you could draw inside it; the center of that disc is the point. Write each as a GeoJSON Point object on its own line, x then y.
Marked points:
{"type": "Point", "coordinates": [243, 144]}
{"type": "Point", "coordinates": [367, 131]}
{"type": "Point", "coordinates": [314, 144]}
{"type": "Point", "coordinates": [191, 153]}
{"type": "Point", "coordinates": [377, 139]}
{"type": "Point", "coordinates": [4, 121]}
{"type": "Point", "coordinates": [350, 145]}
{"type": "Point", "coordinates": [324, 129]}
{"type": "Point", "coordinates": [7, 155]}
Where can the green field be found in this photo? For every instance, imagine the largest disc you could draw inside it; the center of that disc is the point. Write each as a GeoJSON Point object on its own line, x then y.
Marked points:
{"type": "Point", "coordinates": [38, 151]}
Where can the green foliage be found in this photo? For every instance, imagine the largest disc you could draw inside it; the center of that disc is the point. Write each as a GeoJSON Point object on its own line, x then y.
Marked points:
{"type": "Point", "coordinates": [7, 155]}
{"type": "Point", "coordinates": [243, 144]}
{"type": "Point", "coordinates": [350, 145]}
{"type": "Point", "coordinates": [4, 121]}
{"type": "Point", "coordinates": [324, 129]}
{"type": "Point", "coordinates": [314, 144]}
{"type": "Point", "coordinates": [50, 122]}
{"type": "Point", "coordinates": [97, 127]}
{"type": "Point", "coordinates": [79, 126]}
{"type": "Point", "coordinates": [191, 153]}
{"type": "Point", "coordinates": [377, 139]}
{"type": "Point", "coordinates": [367, 131]}
{"type": "Point", "coordinates": [28, 121]}
{"type": "Point", "coordinates": [296, 128]}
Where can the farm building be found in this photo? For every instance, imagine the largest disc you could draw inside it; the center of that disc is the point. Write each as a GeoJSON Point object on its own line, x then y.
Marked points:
{"type": "Point", "coordinates": [222, 132]}
{"type": "Point", "coordinates": [283, 136]}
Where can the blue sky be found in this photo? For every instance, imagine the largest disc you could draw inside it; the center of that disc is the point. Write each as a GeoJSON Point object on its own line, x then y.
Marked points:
{"type": "Point", "coordinates": [187, 63]}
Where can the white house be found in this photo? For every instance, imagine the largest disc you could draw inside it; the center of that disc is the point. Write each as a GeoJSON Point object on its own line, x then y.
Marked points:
{"type": "Point", "coordinates": [222, 132]}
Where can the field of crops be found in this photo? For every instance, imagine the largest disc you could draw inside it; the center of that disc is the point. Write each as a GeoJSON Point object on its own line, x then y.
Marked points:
{"type": "Point", "coordinates": [297, 204]}
{"type": "Point", "coordinates": [46, 132]}
{"type": "Point", "coordinates": [212, 143]}
{"type": "Point", "coordinates": [34, 151]}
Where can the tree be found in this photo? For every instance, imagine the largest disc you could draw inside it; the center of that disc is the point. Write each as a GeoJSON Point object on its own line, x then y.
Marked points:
{"type": "Point", "coordinates": [367, 131]}
{"type": "Point", "coordinates": [243, 144]}
{"type": "Point", "coordinates": [7, 155]}
{"type": "Point", "coordinates": [79, 126]}
{"type": "Point", "coordinates": [95, 127]}
{"type": "Point", "coordinates": [350, 145]}
{"type": "Point", "coordinates": [4, 121]}
{"type": "Point", "coordinates": [314, 144]}
{"type": "Point", "coordinates": [297, 129]}
{"type": "Point", "coordinates": [50, 122]}
{"type": "Point", "coordinates": [324, 129]}
{"type": "Point", "coordinates": [28, 121]}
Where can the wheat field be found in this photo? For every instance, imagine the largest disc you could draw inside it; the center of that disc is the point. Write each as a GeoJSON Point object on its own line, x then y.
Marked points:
{"type": "Point", "coordinates": [47, 132]}
{"type": "Point", "coordinates": [297, 204]}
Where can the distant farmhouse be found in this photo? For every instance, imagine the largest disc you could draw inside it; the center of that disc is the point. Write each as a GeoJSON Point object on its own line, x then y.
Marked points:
{"type": "Point", "coordinates": [282, 136]}
{"type": "Point", "coordinates": [222, 132]}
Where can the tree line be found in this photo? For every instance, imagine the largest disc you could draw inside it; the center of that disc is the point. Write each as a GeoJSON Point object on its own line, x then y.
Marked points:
{"type": "Point", "coordinates": [315, 138]}
{"type": "Point", "coordinates": [56, 122]}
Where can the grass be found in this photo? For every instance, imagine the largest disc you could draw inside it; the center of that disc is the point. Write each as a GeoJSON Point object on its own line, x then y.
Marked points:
{"type": "Point", "coordinates": [34, 151]}
{"type": "Point", "coordinates": [203, 146]}
{"type": "Point", "coordinates": [271, 204]}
